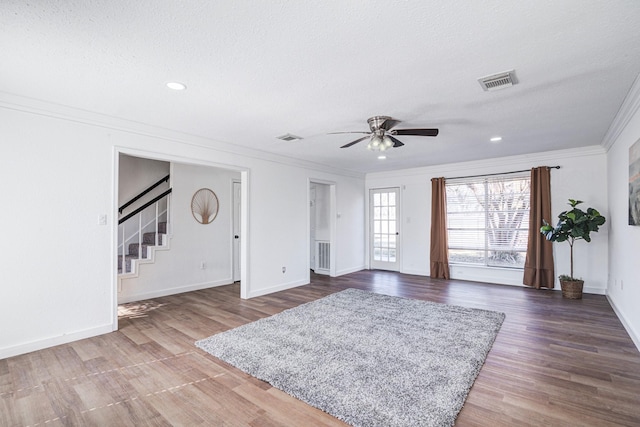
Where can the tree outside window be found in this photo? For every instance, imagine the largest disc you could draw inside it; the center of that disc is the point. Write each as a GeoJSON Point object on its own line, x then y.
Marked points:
{"type": "Point", "coordinates": [488, 220]}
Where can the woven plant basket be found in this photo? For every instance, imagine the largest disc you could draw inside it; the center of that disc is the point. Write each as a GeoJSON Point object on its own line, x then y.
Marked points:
{"type": "Point", "coordinates": [572, 289]}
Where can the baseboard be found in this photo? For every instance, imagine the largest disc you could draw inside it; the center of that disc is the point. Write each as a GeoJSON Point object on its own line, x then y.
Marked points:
{"type": "Point", "coordinates": [627, 326]}
{"type": "Point", "coordinates": [172, 291]}
{"type": "Point", "coordinates": [594, 291]}
{"type": "Point", "coordinates": [54, 341]}
{"type": "Point", "coordinates": [350, 270]}
{"type": "Point", "coordinates": [415, 272]}
{"type": "Point", "coordinates": [277, 288]}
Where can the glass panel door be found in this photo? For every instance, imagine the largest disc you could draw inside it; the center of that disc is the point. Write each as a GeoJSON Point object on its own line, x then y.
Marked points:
{"type": "Point", "coordinates": [384, 229]}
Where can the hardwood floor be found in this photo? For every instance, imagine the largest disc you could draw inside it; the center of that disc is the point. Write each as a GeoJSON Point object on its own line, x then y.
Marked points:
{"type": "Point", "coordinates": [555, 362]}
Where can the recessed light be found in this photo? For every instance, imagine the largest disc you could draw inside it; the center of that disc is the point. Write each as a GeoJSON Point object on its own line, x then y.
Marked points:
{"type": "Point", "coordinates": [382, 157]}
{"type": "Point", "coordinates": [176, 86]}
{"type": "Point", "coordinates": [496, 139]}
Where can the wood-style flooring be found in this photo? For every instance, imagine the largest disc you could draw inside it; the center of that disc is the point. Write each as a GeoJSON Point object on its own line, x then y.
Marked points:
{"type": "Point", "coordinates": [555, 362]}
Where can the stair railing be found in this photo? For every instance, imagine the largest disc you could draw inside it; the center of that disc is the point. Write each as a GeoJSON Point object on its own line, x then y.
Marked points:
{"type": "Point", "coordinates": [143, 193]}
{"type": "Point", "coordinates": [141, 227]}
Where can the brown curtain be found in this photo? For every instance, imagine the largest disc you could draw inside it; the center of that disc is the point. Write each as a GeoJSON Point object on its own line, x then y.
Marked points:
{"type": "Point", "coordinates": [439, 241]}
{"type": "Point", "coordinates": [538, 265]}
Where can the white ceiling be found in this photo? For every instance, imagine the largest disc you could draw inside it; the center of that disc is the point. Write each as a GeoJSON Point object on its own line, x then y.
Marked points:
{"type": "Point", "coordinates": [259, 69]}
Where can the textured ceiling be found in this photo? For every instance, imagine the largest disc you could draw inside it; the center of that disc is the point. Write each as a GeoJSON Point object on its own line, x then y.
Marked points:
{"type": "Point", "coordinates": [259, 69]}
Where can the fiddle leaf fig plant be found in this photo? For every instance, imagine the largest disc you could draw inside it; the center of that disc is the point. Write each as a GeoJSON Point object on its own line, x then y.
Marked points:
{"type": "Point", "coordinates": [573, 225]}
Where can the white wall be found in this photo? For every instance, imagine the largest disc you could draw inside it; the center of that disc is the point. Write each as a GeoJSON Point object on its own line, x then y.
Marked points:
{"type": "Point", "coordinates": [135, 175]}
{"type": "Point", "coordinates": [624, 239]}
{"type": "Point", "coordinates": [350, 227]}
{"type": "Point", "coordinates": [322, 204]}
{"type": "Point", "coordinates": [178, 269]}
{"type": "Point", "coordinates": [582, 176]}
{"type": "Point", "coordinates": [59, 176]}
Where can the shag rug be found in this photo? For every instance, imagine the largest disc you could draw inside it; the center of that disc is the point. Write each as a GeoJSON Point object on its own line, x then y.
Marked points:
{"type": "Point", "coordinates": [365, 358]}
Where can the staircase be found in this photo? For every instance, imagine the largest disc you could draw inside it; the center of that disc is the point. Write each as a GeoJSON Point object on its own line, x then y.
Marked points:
{"type": "Point", "coordinates": [136, 243]}
{"type": "Point", "coordinates": [148, 245]}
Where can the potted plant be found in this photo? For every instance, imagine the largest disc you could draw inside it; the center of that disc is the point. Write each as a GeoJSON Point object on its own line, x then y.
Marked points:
{"type": "Point", "coordinates": [573, 225]}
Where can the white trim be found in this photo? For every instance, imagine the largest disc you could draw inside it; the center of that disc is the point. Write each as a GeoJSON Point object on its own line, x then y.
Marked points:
{"type": "Point", "coordinates": [502, 164]}
{"type": "Point", "coordinates": [635, 337]}
{"type": "Point", "coordinates": [333, 214]}
{"type": "Point", "coordinates": [627, 111]}
{"type": "Point", "coordinates": [350, 270]}
{"type": "Point", "coordinates": [115, 280]}
{"type": "Point", "coordinates": [43, 108]}
{"type": "Point", "coordinates": [424, 273]}
{"type": "Point", "coordinates": [53, 341]}
{"type": "Point", "coordinates": [589, 290]}
{"type": "Point", "coordinates": [245, 278]}
{"type": "Point", "coordinates": [278, 288]}
{"type": "Point", "coordinates": [173, 291]}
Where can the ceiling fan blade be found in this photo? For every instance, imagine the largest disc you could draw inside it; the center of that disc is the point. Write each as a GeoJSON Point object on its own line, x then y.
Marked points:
{"type": "Point", "coordinates": [389, 123]}
{"type": "Point", "coordinates": [355, 142]}
{"type": "Point", "coordinates": [396, 142]}
{"type": "Point", "coordinates": [419, 132]}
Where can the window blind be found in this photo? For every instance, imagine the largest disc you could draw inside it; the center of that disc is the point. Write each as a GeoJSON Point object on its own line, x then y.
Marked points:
{"type": "Point", "coordinates": [488, 220]}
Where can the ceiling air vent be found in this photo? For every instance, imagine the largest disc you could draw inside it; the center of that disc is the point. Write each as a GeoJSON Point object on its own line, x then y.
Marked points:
{"type": "Point", "coordinates": [498, 81]}
{"type": "Point", "coordinates": [289, 137]}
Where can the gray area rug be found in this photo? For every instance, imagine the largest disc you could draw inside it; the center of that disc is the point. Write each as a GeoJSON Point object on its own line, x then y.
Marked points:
{"type": "Point", "coordinates": [365, 358]}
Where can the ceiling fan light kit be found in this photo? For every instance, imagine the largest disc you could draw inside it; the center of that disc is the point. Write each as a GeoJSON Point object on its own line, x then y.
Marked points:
{"type": "Point", "coordinates": [382, 136]}
{"type": "Point", "coordinates": [379, 143]}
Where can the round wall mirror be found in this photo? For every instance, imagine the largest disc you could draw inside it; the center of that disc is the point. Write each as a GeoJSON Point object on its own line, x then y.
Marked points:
{"type": "Point", "coordinates": [204, 206]}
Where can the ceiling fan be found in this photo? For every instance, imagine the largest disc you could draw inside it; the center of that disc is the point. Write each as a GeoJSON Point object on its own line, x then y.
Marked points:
{"type": "Point", "coordinates": [382, 135]}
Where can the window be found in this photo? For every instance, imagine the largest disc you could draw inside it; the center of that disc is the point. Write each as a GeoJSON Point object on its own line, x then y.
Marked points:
{"type": "Point", "coordinates": [488, 220]}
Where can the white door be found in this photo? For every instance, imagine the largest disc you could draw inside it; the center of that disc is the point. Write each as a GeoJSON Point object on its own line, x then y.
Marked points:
{"type": "Point", "coordinates": [236, 231]}
{"type": "Point", "coordinates": [384, 234]}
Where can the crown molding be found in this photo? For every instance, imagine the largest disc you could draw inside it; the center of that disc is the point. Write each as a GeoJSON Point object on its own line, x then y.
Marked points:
{"type": "Point", "coordinates": [627, 111]}
{"type": "Point", "coordinates": [480, 166]}
{"type": "Point", "coordinates": [62, 112]}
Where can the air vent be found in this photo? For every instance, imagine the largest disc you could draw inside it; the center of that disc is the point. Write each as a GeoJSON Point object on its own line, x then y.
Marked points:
{"type": "Point", "coordinates": [288, 137]}
{"type": "Point", "coordinates": [498, 81]}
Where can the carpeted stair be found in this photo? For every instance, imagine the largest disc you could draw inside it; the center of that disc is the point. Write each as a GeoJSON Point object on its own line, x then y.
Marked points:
{"type": "Point", "coordinates": [148, 240]}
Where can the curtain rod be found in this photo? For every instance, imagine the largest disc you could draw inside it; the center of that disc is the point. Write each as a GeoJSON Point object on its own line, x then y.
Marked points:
{"type": "Point", "coordinates": [501, 173]}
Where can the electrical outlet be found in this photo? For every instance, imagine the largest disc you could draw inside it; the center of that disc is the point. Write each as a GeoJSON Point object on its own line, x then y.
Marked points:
{"type": "Point", "coordinates": [621, 284]}
{"type": "Point", "coordinates": [203, 265]}
{"type": "Point", "coordinates": [284, 270]}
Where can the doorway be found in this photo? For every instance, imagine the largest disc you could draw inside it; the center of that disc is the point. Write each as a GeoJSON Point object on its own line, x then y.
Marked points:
{"type": "Point", "coordinates": [242, 214]}
{"type": "Point", "coordinates": [322, 226]}
{"type": "Point", "coordinates": [384, 229]}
